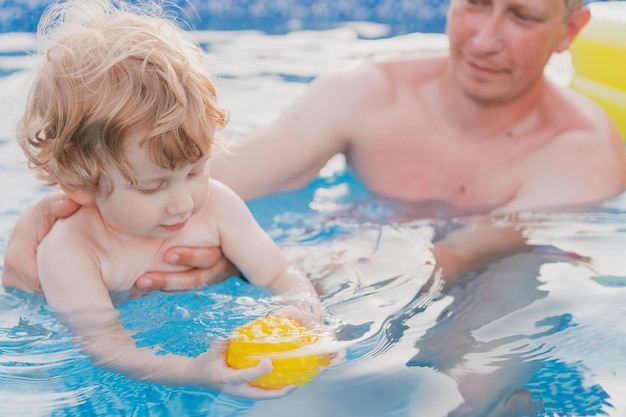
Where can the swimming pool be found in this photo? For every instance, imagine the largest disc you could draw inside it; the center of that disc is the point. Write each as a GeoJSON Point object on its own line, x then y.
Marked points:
{"type": "Point", "coordinates": [548, 320]}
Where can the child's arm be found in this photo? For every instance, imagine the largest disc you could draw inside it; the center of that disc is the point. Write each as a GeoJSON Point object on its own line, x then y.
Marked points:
{"type": "Point", "coordinates": [75, 291]}
{"type": "Point", "coordinates": [254, 253]}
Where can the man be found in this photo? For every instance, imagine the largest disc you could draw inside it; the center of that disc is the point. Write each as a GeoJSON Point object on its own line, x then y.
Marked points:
{"type": "Point", "coordinates": [481, 129]}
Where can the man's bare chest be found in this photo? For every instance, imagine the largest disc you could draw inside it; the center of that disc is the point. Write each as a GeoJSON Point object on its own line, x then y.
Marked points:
{"type": "Point", "coordinates": [414, 169]}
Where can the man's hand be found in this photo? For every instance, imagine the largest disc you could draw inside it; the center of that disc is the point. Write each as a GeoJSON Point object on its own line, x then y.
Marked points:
{"type": "Point", "coordinates": [482, 241]}
{"type": "Point", "coordinates": [20, 261]}
{"type": "Point", "coordinates": [208, 266]}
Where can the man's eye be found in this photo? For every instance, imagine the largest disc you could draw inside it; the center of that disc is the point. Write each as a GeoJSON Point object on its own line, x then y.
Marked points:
{"type": "Point", "coordinates": [525, 17]}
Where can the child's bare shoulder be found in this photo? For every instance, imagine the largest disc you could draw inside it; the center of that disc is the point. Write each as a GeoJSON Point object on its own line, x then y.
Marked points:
{"type": "Point", "coordinates": [70, 246]}
{"type": "Point", "coordinates": [221, 195]}
{"type": "Point", "coordinates": [75, 231]}
{"type": "Point", "coordinates": [224, 205]}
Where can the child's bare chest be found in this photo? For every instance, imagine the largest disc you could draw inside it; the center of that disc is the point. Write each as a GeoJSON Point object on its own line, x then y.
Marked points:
{"type": "Point", "coordinates": [122, 264]}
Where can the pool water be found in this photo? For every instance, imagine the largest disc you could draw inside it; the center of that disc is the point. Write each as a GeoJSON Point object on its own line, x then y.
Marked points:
{"type": "Point", "coordinates": [267, 15]}
{"type": "Point", "coordinates": [549, 320]}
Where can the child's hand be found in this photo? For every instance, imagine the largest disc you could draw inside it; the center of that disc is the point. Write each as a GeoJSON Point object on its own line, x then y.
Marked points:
{"type": "Point", "coordinates": [211, 371]}
{"type": "Point", "coordinates": [335, 352]}
{"type": "Point", "coordinates": [303, 316]}
{"type": "Point", "coordinates": [305, 310]}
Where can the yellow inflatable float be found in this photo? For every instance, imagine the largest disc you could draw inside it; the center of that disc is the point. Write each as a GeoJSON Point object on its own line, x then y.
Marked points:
{"type": "Point", "coordinates": [599, 59]}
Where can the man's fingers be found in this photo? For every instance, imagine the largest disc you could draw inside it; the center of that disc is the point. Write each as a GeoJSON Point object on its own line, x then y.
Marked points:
{"type": "Point", "coordinates": [37, 220]}
{"type": "Point", "coordinates": [193, 257]}
{"type": "Point", "coordinates": [172, 281]}
{"type": "Point", "coordinates": [63, 207]}
{"type": "Point", "coordinates": [207, 265]}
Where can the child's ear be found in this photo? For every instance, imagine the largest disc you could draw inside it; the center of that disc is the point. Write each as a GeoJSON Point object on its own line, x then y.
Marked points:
{"type": "Point", "coordinates": [80, 197]}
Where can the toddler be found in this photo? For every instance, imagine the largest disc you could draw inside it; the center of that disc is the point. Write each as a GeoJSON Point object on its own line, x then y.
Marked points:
{"type": "Point", "coordinates": [122, 117]}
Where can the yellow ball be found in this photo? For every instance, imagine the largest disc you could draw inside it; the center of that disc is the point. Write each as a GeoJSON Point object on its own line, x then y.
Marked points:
{"type": "Point", "coordinates": [269, 337]}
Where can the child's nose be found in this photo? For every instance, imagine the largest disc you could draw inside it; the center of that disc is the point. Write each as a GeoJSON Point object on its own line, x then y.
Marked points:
{"type": "Point", "coordinates": [181, 202]}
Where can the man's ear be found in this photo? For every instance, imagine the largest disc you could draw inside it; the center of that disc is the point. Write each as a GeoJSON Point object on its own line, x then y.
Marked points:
{"type": "Point", "coordinates": [79, 196]}
{"type": "Point", "coordinates": [577, 20]}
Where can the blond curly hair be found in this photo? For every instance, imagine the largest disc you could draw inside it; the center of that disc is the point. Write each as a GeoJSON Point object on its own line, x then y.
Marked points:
{"type": "Point", "coordinates": [111, 70]}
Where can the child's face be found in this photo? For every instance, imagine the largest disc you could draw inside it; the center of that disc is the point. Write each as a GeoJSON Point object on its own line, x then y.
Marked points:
{"type": "Point", "coordinates": [161, 202]}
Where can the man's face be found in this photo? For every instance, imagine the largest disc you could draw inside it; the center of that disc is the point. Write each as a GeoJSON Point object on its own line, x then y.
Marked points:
{"type": "Point", "coordinates": [499, 48]}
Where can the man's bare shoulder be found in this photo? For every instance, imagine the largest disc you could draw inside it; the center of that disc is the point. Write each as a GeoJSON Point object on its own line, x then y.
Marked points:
{"type": "Point", "coordinates": [581, 124]}
{"type": "Point", "coordinates": [582, 146]}
{"type": "Point", "coordinates": [379, 80]}
{"type": "Point", "coordinates": [579, 113]}
{"type": "Point", "coordinates": [406, 74]}
{"type": "Point", "coordinates": [412, 68]}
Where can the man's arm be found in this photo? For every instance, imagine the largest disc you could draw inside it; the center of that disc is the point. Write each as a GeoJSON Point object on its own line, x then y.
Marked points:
{"type": "Point", "coordinates": [482, 240]}
{"type": "Point", "coordinates": [289, 153]}
{"type": "Point", "coordinates": [20, 260]}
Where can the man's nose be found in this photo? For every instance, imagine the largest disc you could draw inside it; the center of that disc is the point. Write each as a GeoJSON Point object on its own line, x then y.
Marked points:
{"type": "Point", "coordinates": [489, 35]}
